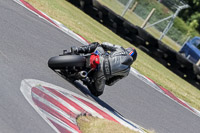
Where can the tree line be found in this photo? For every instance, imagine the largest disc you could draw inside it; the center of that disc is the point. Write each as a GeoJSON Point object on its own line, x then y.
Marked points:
{"type": "Point", "coordinates": [191, 15]}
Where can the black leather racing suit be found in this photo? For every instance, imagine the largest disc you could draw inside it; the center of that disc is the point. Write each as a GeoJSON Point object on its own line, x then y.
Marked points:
{"type": "Point", "coordinates": [114, 64]}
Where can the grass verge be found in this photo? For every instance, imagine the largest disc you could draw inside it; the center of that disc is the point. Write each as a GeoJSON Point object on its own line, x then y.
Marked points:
{"type": "Point", "coordinates": [81, 23]}
{"type": "Point", "coordinates": [90, 124]}
{"type": "Point", "coordinates": [136, 20]}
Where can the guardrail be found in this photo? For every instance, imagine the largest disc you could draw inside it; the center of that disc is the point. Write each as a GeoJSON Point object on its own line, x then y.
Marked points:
{"type": "Point", "coordinates": [141, 39]}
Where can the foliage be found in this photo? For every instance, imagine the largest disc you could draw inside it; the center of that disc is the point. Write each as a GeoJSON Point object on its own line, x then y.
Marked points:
{"type": "Point", "coordinates": [192, 14]}
{"type": "Point", "coordinates": [180, 30]}
{"type": "Point", "coordinates": [90, 124]}
{"type": "Point", "coordinates": [81, 23]}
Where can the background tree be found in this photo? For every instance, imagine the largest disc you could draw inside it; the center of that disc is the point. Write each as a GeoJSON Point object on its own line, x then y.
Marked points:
{"type": "Point", "coordinates": [192, 14]}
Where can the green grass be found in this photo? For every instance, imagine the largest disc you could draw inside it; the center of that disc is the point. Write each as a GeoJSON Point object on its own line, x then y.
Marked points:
{"type": "Point", "coordinates": [79, 22]}
{"type": "Point", "coordinates": [89, 124]}
{"type": "Point", "coordinates": [136, 20]}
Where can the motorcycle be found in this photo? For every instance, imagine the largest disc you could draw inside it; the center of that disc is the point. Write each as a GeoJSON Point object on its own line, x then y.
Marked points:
{"type": "Point", "coordinates": [75, 67]}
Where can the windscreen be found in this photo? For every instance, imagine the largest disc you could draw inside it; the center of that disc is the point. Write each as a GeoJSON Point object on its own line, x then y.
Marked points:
{"type": "Point", "coordinates": [196, 43]}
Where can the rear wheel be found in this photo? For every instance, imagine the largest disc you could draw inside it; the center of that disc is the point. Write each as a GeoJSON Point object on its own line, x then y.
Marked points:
{"type": "Point", "coordinates": [61, 62]}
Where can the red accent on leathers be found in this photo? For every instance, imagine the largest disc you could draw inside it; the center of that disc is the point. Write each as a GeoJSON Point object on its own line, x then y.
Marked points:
{"type": "Point", "coordinates": [94, 61]}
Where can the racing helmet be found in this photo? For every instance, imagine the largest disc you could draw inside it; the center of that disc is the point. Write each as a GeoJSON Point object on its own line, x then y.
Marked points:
{"type": "Point", "coordinates": [132, 52]}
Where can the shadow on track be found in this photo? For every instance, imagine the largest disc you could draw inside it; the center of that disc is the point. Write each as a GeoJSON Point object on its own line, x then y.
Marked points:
{"type": "Point", "coordinates": [87, 93]}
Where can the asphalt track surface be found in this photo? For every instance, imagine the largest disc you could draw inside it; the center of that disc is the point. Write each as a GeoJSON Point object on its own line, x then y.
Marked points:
{"type": "Point", "coordinates": [26, 44]}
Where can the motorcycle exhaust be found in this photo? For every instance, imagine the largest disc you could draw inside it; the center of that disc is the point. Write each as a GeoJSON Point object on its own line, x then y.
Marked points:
{"type": "Point", "coordinates": [82, 74]}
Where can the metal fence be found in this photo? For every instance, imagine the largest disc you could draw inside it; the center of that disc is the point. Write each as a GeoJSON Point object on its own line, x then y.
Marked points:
{"type": "Point", "coordinates": [173, 60]}
{"type": "Point", "coordinates": [165, 13]}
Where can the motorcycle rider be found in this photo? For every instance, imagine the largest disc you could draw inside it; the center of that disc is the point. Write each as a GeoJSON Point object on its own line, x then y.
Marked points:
{"type": "Point", "coordinates": [112, 63]}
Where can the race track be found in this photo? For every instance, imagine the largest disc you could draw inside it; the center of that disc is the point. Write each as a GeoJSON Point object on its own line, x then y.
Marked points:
{"type": "Point", "coordinates": [26, 44]}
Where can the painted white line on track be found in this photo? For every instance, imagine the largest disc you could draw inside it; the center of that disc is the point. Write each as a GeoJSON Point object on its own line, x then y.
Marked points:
{"type": "Point", "coordinates": [60, 100]}
{"type": "Point", "coordinates": [156, 87]}
{"type": "Point", "coordinates": [44, 106]}
{"type": "Point", "coordinates": [83, 41]}
{"type": "Point", "coordinates": [58, 121]}
{"type": "Point", "coordinates": [73, 120]}
{"type": "Point", "coordinates": [85, 107]}
{"type": "Point", "coordinates": [53, 22]}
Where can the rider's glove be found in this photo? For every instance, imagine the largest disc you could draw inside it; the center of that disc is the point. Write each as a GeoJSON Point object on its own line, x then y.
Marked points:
{"type": "Point", "coordinates": [74, 50]}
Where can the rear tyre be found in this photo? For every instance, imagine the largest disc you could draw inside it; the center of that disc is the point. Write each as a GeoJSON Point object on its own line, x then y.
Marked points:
{"type": "Point", "coordinates": [61, 62]}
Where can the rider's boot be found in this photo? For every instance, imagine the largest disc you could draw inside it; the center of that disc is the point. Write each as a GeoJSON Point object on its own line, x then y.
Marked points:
{"type": "Point", "coordinates": [86, 81]}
